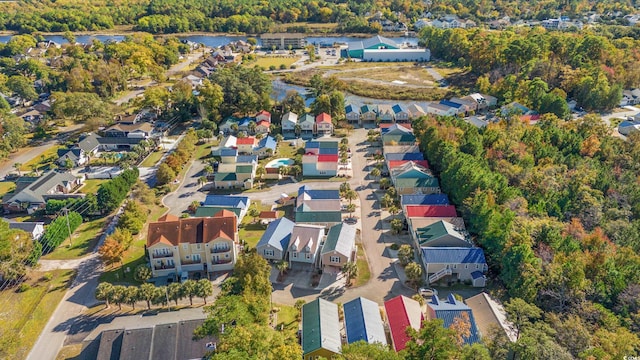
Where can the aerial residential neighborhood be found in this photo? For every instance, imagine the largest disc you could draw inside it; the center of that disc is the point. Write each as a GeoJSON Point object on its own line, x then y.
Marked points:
{"type": "Point", "coordinates": [319, 180]}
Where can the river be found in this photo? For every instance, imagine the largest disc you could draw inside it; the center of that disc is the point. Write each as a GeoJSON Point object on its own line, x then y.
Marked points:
{"type": "Point", "coordinates": [212, 40]}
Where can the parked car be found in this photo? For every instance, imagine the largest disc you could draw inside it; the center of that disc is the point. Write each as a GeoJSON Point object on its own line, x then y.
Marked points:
{"type": "Point", "coordinates": [427, 292]}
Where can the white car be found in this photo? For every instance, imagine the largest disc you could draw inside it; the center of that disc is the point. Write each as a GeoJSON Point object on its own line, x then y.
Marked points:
{"type": "Point", "coordinates": [428, 292]}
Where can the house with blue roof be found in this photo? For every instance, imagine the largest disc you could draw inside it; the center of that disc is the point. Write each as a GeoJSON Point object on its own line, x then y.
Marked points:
{"type": "Point", "coordinates": [369, 113]}
{"type": "Point", "coordinates": [455, 263]}
{"type": "Point", "coordinates": [321, 207]}
{"type": "Point", "coordinates": [421, 199]}
{"type": "Point", "coordinates": [459, 108]}
{"type": "Point", "coordinates": [352, 114]}
{"type": "Point", "coordinates": [401, 113]}
{"type": "Point", "coordinates": [362, 321]}
{"type": "Point", "coordinates": [274, 242]}
{"type": "Point", "coordinates": [266, 147]}
{"type": "Point", "coordinates": [227, 202]}
{"type": "Point", "coordinates": [403, 156]}
{"type": "Point", "coordinates": [452, 310]}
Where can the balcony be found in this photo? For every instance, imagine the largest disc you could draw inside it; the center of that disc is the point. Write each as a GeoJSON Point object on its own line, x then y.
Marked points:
{"type": "Point", "coordinates": [164, 267]}
{"type": "Point", "coordinates": [221, 261]}
{"type": "Point", "coordinates": [191, 262]}
{"type": "Point", "coordinates": [162, 255]}
{"type": "Point", "coordinates": [219, 250]}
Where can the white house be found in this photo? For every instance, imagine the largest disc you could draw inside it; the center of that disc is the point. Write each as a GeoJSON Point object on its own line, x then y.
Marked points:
{"type": "Point", "coordinates": [289, 122]}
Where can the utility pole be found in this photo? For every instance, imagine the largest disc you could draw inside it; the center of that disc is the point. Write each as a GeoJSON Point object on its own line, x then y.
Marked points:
{"type": "Point", "coordinates": [166, 292]}
{"type": "Point", "coordinates": [66, 211]}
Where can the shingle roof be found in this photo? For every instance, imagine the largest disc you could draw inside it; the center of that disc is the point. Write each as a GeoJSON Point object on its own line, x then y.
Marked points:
{"type": "Point", "coordinates": [402, 312]}
{"type": "Point", "coordinates": [341, 238]}
{"type": "Point", "coordinates": [226, 201]}
{"type": "Point", "coordinates": [451, 309]}
{"type": "Point", "coordinates": [362, 321]}
{"type": "Point", "coordinates": [430, 211]}
{"type": "Point", "coordinates": [192, 230]}
{"type": "Point", "coordinates": [28, 226]}
{"type": "Point", "coordinates": [278, 234]}
{"type": "Point", "coordinates": [73, 153]}
{"type": "Point", "coordinates": [453, 255]}
{"type": "Point", "coordinates": [119, 140]}
{"type": "Point", "coordinates": [320, 326]}
{"type": "Point", "coordinates": [89, 143]}
{"type": "Point", "coordinates": [305, 234]}
{"type": "Point", "coordinates": [35, 191]}
{"type": "Point", "coordinates": [488, 314]}
{"type": "Point", "coordinates": [431, 199]}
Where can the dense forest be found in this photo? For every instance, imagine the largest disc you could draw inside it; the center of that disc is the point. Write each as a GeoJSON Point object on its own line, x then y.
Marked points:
{"type": "Point", "coordinates": [557, 209]}
{"type": "Point", "coordinates": [254, 16]}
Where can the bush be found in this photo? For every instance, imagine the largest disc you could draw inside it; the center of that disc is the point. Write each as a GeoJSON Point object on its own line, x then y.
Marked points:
{"type": "Point", "coordinates": [58, 231]}
{"type": "Point", "coordinates": [47, 277]}
{"type": "Point", "coordinates": [395, 246]}
{"type": "Point", "coordinates": [283, 66]}
{"type": "Point", "coordinates": [113, 192]}
{"type": "Point", "coordinates": [24, 287]}
{"type": "Point", "coordinates": [292, 67]}
{"type": "Point", "coordinates": [272, 67]}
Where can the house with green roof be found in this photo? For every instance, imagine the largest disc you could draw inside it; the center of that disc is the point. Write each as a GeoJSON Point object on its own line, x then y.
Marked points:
{"type": "Point", "coordinates": [440, 234]}
{"type": "Point", "coordinates": [398, 135]}
{"type": "Point", "coordinates": [209, 211]}
{"type": "Point", "coordinates": [411, 178]}
{"type": "Point", "coordinates": [237, 175]}
{"type": "Point", "coordinates": [356, 49]}
{"type": "Point", "coordinates": [320, 330]}
{"type": "Point", "coordinates": [339, 248]}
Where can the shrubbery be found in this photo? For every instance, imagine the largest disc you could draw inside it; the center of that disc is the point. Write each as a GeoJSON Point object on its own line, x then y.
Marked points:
{"type": "Point", "coordinates": [113, 192]}
{"type": "Point", "coordinates": [58, 231]}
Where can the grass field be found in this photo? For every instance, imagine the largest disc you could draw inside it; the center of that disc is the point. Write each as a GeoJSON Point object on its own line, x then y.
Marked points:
{"type": "Point", "coordinates": [91, 186]}
{"type": "Point", "coordinates": [250, 231]}
{"type": "Point", "coordinates": [408, 74]}
{"type": "Point", "coordinates": [268, 61]}
{"type": "Point", "coordinates": [25, 314]}
{"type": "Point", "coordinates": [84, 239]}
{"type": "Point", "coordinates": [6, 187]}
{"type": "Point", "coordinates": [152, 159]}
{"type": "Point", "coordinates": [45, 158]}
{"type": "Point", "coordinates": [287, 318]}
{"type": "Point", "coordinates": [133, 257]}
{"type": "Point", "coordinates": [364, 274]}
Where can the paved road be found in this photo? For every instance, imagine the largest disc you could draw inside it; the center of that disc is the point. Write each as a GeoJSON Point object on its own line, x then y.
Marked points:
{"type": "Point", "coordinates": [22, 157]}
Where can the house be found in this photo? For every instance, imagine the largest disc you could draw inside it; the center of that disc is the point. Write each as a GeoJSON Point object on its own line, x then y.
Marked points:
{"type": "Point", "coordinates": [237, 204]}
{"type": "Point", "coordinates": [490, 315]}
{"type": "Point", "coordinates": [369, 113]}
{"type": "Point", "coordinates": [304, 245]}
{"type": "Point", "coordinates": [411, 178]}
{"type": "Point", "coordinates": [320, 336]}
{"type": "Point", "coordinates": [263, 115]}
{"type": "Point", "coordinates": [35, 229]}
{"type": "Point", "coordinates": [320, 158]}
{"type": "Point", "coordinates": [390, 149]}
{"type": "Point", "coordinates": [228, 142]}
{"type": "Point", "coordinates": [403, 156]}
{"type": "Point", "coordinates": [460, 108]}
{"type": "Point", "coordinates": [245, 145]}
{"type": "Point", "coordinates": [229, 125]}
{"type": "Point", "coordinates": [398, 135]}
{"type": "Point", "coordinates": [441, 110]}
{"type": "Point", "coordinates": [75, 156]}
{"type": "Point", "coordinates": [307, 125]}
{"type": "Point", "coordinates": [459, 263]}
{"type": "Point", "coordinates": [394, 164]}
{"type": "Point", "coordinates": [628, 127]}
{"type": "Point", "coordinates": [467, 102]}
{"type": "Point", "coordinates": [283, 41]}
{"type": "Point", "coordinates": [440, 234]}
{"type": "Point", "coordinates": [401, 114]}
{"type": "Point", "coordinates": [318, 206]}
{"type": "Point", "coordinates": [324, 126]}
{"type": "Point", "coordinates": [402, 312]}
{"type": "Point", "coordinates": [416, 111]}
{"type": "Point", "coordinates": [352, 114]}
{"type": "Point", "coordinates": [263, 127]}
{"type": "Point", "coordinates": [265, 147]}
{"type": "Point", "coordinates": [274, 243]}
{"type": "Point", "coordinates": [89, 145]}
{"type": "Point", "coordinates": [32, 116]}
{"type": "Point", "coordinates": [267, 217]}
{"type": "Point", "coordinates": [179, 245]}
{"type": "Point", "coordinates": [339, 248]}
{"type": "Point", "coordinates": [386, 114]}
{"type": "Point", "coordinates": [450, 311]}
{"type": "Point", "coordinates": [362, 322]}
{"type": "Point", "coordinates": [239, 175]}
{"type": "Point", "coordinates": [33, 194]}
{"type": "Point", "coordinates": [439, 211]}
{"type": "Point", "coordinates": [422, 199]}
{"type": "Point", "coordinates": [356, 49]}
{"type": "Point", "coordinates": [136, 130]}
{"type": "Point", "coordinates": [484, 101]}
{"type": "Point", "coordinates": [289, 122]}
{"type": "Point", "coordinates": [515, 108]}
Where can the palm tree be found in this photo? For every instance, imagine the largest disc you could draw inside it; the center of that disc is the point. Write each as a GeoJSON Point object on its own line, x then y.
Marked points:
{"type": "Point", "coordinates": [296, 170]}
{"type": "Point", "coordinates": [189, 289]}
{"type": "Point", "coordinates": [208, 170]}
{"type": "Point", "coordinates": [279, 137]}
{"type": "Point", "coordinates": [283, 170]}
{"type": "Point", "coordinates": [204, 289]}
{"type": "Point", "coordinates": [17, 166]}
{"type": "Point", "coordinates": [298, 129]}
{"type": "Point", "coordinates": [132, 296]}
{"type": "Point", "coordinates": [350, 195]}
{"type": "Point", "coordinates": [252, 127]}
{"type": "Point", "coordinates": [375, 172]}
{"type": "Point", "coordinates": [202, 180]}
{"type": "Point", "coordinates": [351, 208]}
{"type": "Point", "coordinates": [393, 210]}
{"type": "Point", "coordinates": [234, 128]}
{"type": "Point", "coordinates": [282, 266]}
{"type": "Point", "coordinates": [174, 292]}
{"type": "Point", "coordinates": [384, 183]}
{"type": "Point", "coordinates": [350, 269]}
{"type": "Point", "coordinates": [260, 173]}
{"type": "Point", "coordinates": [343, 157]}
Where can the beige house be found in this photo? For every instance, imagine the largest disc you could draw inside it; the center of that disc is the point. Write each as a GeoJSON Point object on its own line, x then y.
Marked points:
{"type": "Point", "coordinates": [324, 126]}
{"type": "Point", "coordinates": [204, 244]}
{"type": "Point", "coordinates": [339, 248]}
{"type": "Point", "coordinates": [304, 244]}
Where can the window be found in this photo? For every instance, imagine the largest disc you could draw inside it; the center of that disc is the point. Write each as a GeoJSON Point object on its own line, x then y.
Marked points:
{"type": "Point", "coordinates": [268, 252]}
{"type": "Point", "coordinates": [185, 246]}
{"type": "Point", "coordinates": [170, 262]}
{"type": "Point", "coordinates": [466, 266]}
{"type": "Point", "coordinates": [477, 266]}
{"type": "Point", "coordinates": [308, 256]}
{"type": "Point", "coordinates": [196, 257]}
{"type": "Point", "coordinates": [294, 254]}
{"type": "Point", "coordinates": [199, 246]}
{"type": "Point", "coordinates": [455, 266]}
{"type": "Point", "coordinates": [334, 259]}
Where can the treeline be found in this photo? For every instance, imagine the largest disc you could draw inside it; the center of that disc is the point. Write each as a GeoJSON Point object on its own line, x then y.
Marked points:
{"type": "Point", "coordinates": [555, 206]}
{"type": "Point", "coordinates": [17, 251]}
{"type": "Point", "coordinates": [173, 164]}
{"type": "Point", "coordinates": [150, 294]}
{"type": "Point", "coordinates": [60, 230]}
{"type": "Point", "coordinates": [112, 193]}
{"type": "Point", "coordinates": [591, 69]}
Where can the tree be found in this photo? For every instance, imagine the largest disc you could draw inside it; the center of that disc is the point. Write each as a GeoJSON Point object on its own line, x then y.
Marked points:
{"type": "Point", "coordinates": [296, 170]}
{"type": "Point", "coordinates": [254, 213]}
{"type": "Point", "coordinates": [351, 208]}
{"type": "Point", "coordinates": [189, 290]}
{"type": "Point", "coordinates": [111, 251]}
{"type": "Point", "coordinates": [103, 292]}
{"type": "Point", "coordinates": [211, 97]}
{"type": "Point", "coordinates": [131, 296]}
{"type": "Point", "coordinates": [147, 293]}
{"type": "Point", "coordinates": [282, 266]}
{"type": "Point", "coordinates": [80, 107]}
{"type": "Point", "coordinates": [165, 174]}
{"type": "Point", "coordinates": [133, 217]}
{"type": "Point", "coordinates": [362, 350]}
{"type": "Point", "coordinates": [432, 342]}
{"type": "Point", "coordinates": [393, 210]}
{"type": "Point", "coordinates": [521, 314]}
{"type": "Point", "coordinates": [397, 226]}
{"type": "Point", "coordinates": [298, 306]}
{"type": "Point", "coordinates": [193, 207]}
{"type": "Point", "coordinates": [23, 87]}
{"type": "Point", "coordinates": [142, 273]}
{"type": "Point", "coordinates": [405, 254]}
{"type": "Point", "coordinates": [384, 183]}
{"type": "Point", "coordinates": [350, 195]}
{"type": "Point", "coordinates": [203, 289]}
{"type": "Point", "coordinates": [17, 166]}
{"type": "Point", "coordinates": [175, 292]}
{"type": "Point", "coordinates": [260, 173]}
{"type": "Point", "coordinates": [350, 270]}
{"type": "Point", "coordinates": [414, 274]}
{"type": "Point", "coordinates": [119, 295]}
{"type": "Point", "coordinates": [375, 172]}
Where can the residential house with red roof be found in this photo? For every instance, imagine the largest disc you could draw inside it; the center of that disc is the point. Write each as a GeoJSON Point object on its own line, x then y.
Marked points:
{"type": "Point", "coordinates": [324, 126]}
{"type": "Point", "coordinates": [436, 211]}
{"type": "Point", "coordinates": [320, 158]}
{"type": "Point", "coordinates": [245, 145]}
{"type": "Point", "coordinates": [263, 122]}
{"type": "Point", "coordinates": [206, 244]}
{"type": "Point", "coordinates": [402, 312]}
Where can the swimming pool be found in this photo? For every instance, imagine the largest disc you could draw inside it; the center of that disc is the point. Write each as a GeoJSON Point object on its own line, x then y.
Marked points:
{"type": "Point", "coordinates": [279, 163]}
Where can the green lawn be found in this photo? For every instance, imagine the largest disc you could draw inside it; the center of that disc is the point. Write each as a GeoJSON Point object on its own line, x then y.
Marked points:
{"type": "Point", "coordinates": [6, 187]}
{"type": "Point", "coordinates": [267, 61]}
{"type": "Point", "coordinates": [152, 159]}
{"type": "Point", "coordinates": [251, 231]}
{"type": "Point", "coordinates": [25, 314]}
{"type": "Point", "coordinates": [132, 258]}
{"type": "Point", "coordinates": [84, 239]}
{"type": "Point", "coordinates": [91, 186]}
{"type": "Point", "coordinates": [287, 318]}
{"type": "Point", "coordinates": [364, 274]}
{"type": "Point", "coordinates": [45, 158]}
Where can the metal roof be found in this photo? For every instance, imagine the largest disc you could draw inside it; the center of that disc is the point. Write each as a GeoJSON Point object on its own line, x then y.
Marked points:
{"type": "Point", "coordinates": [278, 234]}
{"type": "Point", "coordinates": [431, 199]}
{"type": "Point", "coordinates": [403, 156]}
{"type": "Point", "coordinates": [362, 321]}
{"type": "Point", "coordinates": [226, 201]}
{"type": "Point", "coordinates": [451, 309]}
{"type": "Point", "coordinates": [440, 233]}
{"type": "Point", "coordinates": [453, 255]}
{"type": "Point", "coordinates": [402, 312]}
{"type": "Point", "coordinates": [341, 238]}
{"type": "Point", "coordinates": [320, 327]}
